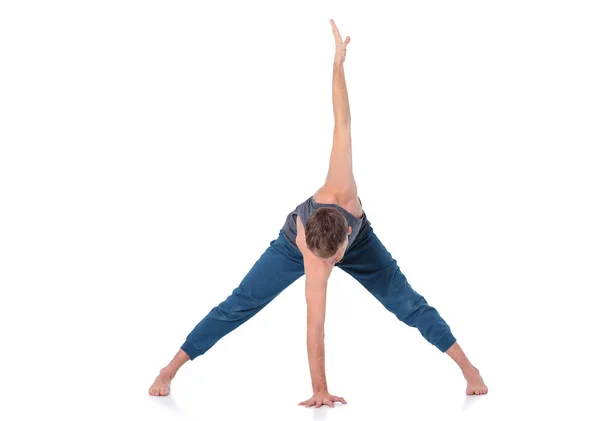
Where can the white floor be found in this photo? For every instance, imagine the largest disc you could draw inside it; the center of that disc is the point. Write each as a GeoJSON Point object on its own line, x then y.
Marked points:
{"type": "Point", "coordinates": [101, 367]}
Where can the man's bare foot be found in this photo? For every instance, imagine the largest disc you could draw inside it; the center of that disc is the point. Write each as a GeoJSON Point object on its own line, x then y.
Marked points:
{"type": "Point", "coordinates": [475, 384]}
{"type": "Point", "coordinates": [162, 384]}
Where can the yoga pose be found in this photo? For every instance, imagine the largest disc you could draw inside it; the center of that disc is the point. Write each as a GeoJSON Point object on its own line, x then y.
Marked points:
{"type": "Point", "coordinates": [328, 229]}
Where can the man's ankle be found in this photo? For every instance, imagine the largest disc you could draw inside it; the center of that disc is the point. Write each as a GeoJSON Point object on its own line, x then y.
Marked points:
{"type": "Point", "coordinates": [470, 371]}
{"type": "Point", "coordinates": [168, 371]}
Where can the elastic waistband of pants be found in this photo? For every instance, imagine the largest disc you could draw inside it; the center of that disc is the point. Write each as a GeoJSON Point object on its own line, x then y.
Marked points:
{"type": "Point", "coordinates": [362, 234]}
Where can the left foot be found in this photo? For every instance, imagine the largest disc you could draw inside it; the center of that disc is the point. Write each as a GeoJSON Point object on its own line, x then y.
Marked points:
{"type": "Point", "coordinates": [162, 384]}
{"type": "Point", "coordinates": [475, 384]}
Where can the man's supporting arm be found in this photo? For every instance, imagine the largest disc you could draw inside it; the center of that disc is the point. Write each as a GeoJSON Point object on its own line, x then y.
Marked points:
{"type": "Point", "coordinates": [317, 275]}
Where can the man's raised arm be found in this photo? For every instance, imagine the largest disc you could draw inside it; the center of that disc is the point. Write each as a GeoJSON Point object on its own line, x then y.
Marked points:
{"type": "Point", "coordinates": [340, 177]}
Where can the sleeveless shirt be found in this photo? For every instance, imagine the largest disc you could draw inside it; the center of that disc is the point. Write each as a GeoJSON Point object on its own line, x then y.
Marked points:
{"type": "Point", "coordinates": [306, 208]}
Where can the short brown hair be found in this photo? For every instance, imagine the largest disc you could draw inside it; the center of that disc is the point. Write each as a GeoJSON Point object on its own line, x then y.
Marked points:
{"type": "Point", "coordinates": [326, 230]}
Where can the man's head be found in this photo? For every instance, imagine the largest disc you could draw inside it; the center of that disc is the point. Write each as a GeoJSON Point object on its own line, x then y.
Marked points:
{"type": "Point", "coordinates": [327, 234]}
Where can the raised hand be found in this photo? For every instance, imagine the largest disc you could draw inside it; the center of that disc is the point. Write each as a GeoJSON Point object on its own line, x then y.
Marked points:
{"type": "Point", "coordinates": [340, 47]}
{"type": "Point", "coordinates": [322, 398]}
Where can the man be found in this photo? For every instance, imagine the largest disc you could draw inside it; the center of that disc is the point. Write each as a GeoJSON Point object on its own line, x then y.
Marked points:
{"type": "Point", "coordinates": [328, 229]}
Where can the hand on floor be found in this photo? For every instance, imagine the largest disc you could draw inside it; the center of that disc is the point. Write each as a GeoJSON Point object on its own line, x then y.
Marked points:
{"type": "Point", "coordinates": [322, 398]}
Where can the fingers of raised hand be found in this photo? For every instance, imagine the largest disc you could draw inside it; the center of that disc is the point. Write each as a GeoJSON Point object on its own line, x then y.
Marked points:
{"type": "Point", "coordinates": [338, 38]}
{"type": "Point", "coordinates": [336, 32]}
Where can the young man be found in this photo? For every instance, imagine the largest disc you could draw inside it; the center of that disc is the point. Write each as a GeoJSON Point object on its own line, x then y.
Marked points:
{"type": "Point", "coordinates": [328, 229]}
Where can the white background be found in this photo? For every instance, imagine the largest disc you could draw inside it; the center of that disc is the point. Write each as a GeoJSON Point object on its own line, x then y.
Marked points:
{"type": "Point", "coordinates": [151, 150]}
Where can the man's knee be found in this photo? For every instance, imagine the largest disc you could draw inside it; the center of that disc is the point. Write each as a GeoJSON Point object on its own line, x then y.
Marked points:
{"type": "Point", "coordinates": [237, 306]}
{"type": "Point", "coordinates": [412, 309]}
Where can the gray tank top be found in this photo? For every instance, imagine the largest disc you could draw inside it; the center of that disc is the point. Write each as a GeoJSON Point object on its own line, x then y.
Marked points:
{"type": "Point", "coordinates": [306, 208]}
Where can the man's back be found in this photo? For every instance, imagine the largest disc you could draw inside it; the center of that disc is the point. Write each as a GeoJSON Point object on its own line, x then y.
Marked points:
{"type": "Point", "coordinates": [351, 209]}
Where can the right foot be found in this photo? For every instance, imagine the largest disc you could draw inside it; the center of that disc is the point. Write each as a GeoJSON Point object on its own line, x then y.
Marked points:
{"type": "Point", "coordinates": [475, 384]}
{"type": "Point", "coordinates": [162, 384]}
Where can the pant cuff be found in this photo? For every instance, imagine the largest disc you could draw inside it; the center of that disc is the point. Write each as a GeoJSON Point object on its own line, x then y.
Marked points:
{"type": "Point", "coordinates": [190, 350]}
{"type": "Point", "coordinates": [446, 342]}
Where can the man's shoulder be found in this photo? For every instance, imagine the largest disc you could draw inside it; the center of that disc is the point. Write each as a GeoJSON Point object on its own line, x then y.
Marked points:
{"type": "Point", "coordinates": [329, 195]}
{"type": "Point", "coordinates": [347, 199]}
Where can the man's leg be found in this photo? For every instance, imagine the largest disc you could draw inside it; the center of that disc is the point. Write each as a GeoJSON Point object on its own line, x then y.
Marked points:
{"type": "Point", "coordinates": [278, 267]}
{"type": "Point", "coordinates": [373, 266]}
